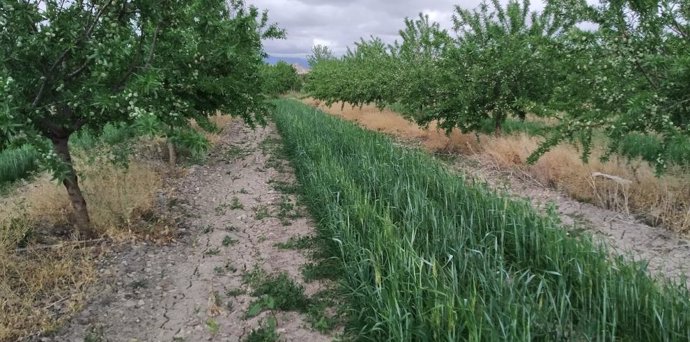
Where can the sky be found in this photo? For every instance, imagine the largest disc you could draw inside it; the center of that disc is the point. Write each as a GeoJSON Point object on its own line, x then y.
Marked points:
{"type": "Point", "coordinates": [339, 23]}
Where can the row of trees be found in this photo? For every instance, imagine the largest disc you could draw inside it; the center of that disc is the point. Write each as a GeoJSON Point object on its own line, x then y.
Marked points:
{"type": "Point", "coordinates": [280, 78]}
{"type": "Point", "coordinates": [67, 66]}
{"type": "Point", "coordinates": [621, 67]}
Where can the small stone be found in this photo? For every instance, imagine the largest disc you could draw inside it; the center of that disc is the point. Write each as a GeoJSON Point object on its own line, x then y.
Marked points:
{"type": "Point", "coordinates": [141, 302]}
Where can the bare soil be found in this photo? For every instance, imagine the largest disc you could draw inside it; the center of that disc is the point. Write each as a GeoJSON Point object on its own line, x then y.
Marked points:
{"type": "Point", "coordinates": [666, 252]}
{"type": "Point", "coordinates": [195, 289]}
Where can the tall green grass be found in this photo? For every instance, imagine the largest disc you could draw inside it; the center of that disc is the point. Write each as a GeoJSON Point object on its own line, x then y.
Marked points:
{"type": "Point", "coordinates": [649, 148]}
{"type": "Point", "coordinates": [17, 163]}
{"type": "Point", "coordinates": [430, 256]}
{"type": "Point", "coordinates": [20, 163]}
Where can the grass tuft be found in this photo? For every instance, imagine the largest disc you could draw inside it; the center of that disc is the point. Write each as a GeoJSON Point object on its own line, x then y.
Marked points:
{"type": "Point", "coordinates": [266, 333]}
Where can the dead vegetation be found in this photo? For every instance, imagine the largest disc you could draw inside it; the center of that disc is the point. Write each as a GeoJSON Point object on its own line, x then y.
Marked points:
{"type": "Point", "coordinates": [44, 273]}
{"type": "Point", "coordinates": [629, 187]}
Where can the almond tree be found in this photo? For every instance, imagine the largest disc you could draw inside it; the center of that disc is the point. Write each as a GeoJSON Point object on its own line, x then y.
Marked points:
{"type": "Point", "coordinates": [67, 65]}
{"type": "Point", "coordinates": [319, 53]}
{"type": "Point", "coordinates": [499, 66]}
{"type": "Point", "coordinates": [423, 45]}
{"type": "Point", "coordinates": [629, 76]}
{"type": "Point", "coordinates": [364, 75]}
{"type": "Point", "coordinates": [280, 78]}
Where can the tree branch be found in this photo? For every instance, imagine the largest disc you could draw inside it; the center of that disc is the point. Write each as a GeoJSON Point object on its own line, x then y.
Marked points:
{"type": "Point", "coordinates": [153, 44]}
{"type": "Point", "coordinates": [63, 55]}
{"type": "Point", "coordinates": [147, 62]}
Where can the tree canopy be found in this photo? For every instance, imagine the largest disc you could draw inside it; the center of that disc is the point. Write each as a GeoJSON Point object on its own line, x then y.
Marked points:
{"type": "Point", "coordinates": [69, 65]}
{"type": "Point", "coordinates": [621, 67]}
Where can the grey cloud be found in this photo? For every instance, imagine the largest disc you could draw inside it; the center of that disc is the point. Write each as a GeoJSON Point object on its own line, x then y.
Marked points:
{"type": "Point", "coordinates": [340, 23]}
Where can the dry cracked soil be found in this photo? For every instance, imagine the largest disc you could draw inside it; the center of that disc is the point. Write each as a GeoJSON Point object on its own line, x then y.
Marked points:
{"type": "Point", "coordinates": [198, 289]}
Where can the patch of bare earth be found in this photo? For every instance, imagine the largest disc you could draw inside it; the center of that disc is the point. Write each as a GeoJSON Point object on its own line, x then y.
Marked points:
{"type": "Point", "coordinates": [197, 289]}
{"type": "Point", "coordinates": [666, 252]}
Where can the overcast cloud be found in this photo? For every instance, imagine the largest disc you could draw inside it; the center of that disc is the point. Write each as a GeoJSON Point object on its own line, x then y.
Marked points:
{"type": "Point", "coordinates": [339, 23]}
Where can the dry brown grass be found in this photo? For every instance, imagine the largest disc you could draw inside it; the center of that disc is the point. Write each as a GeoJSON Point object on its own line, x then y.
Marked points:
{"type": "Point", "coordinates": [113, 194]}
{"type": "Point", "coordinates": [389, 122]}
{"type": "Point", "coordinates": [634, 188]}
{"type": "Point", "coordinates": [40, 287]}
{"type": "Point", "coordinates": [659, 200]}
{"type": "Point", "coordinates": [220, 120]}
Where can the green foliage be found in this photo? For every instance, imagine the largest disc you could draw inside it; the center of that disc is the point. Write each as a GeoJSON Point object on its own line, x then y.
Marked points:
{"type": "Point", "coordinates": [190, 141]}
{"type": "Point", "coordinates": [621, 67]}
{"type": "Point", "coordinates": [428, 255]}
{"type": "Point", "coordinates": [631, 75]}
{"type": "Point", "coordinates": [301, 242]}
{"type": "Point", "coordinates": [419, 74]}
{"type": "Point", "coordinates": [364, 75]}
{"type": "Point", "coordinates": [499, 65]}
{"type": "Point", "coordinates": [68, 66]}
{"type": "Point", "coordinates": [275, 292]}
{"type": "Point", "coordinates": [280, 78]}
{"type": "Point", "coordinates": [513, 126]}
{"type": "Point", "coordinates": [648, 147]}
{"type": "Point", "coordinates": [265, 333]}
{"type": "Point", "coordinates": [319, 53]}
{"type": "Point", "coordinates": [17, 163]}
{"type": "Point", "coordinates": [287, 293]}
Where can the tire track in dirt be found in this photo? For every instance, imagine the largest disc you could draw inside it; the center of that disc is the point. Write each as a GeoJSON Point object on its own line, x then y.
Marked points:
{"type": "Point", "coordinates": [197, 291]}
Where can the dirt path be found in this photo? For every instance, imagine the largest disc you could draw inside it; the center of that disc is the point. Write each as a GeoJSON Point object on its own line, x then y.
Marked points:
{"type": "Point", "coordinates": [202, 290]}
{"type": "Point", "coordinates": [666, 252]}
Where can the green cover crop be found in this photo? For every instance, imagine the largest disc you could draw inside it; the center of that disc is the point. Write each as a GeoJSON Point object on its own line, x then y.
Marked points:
{"type": "Point", "coordinates": [430, 255]}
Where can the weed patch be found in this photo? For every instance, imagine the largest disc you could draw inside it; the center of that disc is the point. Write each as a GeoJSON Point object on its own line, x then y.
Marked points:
{"type": "Point", "coordinates": [301, 242]}
{"type": "Point", "coordinates": [275, 292]}
{"type": "Point", "coordinates": [266, 333]}
{"type": "Point", "coordinates": [235, 152]}
{"type": "Point", "coordinates": [228, 241]}
{"type": "Point", "coordinates": [261, 212]}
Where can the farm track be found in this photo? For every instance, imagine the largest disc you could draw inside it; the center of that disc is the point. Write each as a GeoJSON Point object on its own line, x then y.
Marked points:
{"type": "Point", "coordinates": [196, 290]}
{"type": "Point", "coordinates": [666, 252]}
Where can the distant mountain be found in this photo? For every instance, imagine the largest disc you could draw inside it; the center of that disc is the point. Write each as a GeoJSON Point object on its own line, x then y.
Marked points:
{"type": "Point", "coordinates": [290, 60]}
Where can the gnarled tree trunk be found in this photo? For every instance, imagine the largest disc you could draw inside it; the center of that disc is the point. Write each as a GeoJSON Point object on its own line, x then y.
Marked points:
{"type": "Point", "coordinates": [82, 220]}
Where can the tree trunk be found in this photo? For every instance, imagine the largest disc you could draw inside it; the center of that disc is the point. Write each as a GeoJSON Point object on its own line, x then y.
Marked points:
{"type": "Point", "coordinates": [172, 154]}
{"type": "Point", "coordinates": [498, 129]}
{"type": "Point", "coordinates": [71, 182]}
